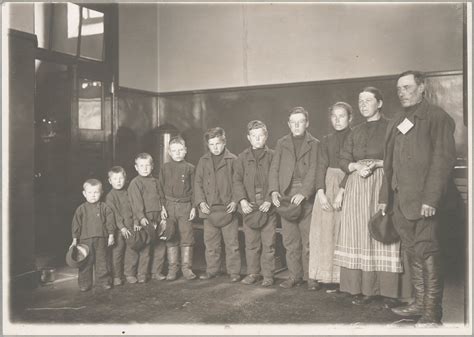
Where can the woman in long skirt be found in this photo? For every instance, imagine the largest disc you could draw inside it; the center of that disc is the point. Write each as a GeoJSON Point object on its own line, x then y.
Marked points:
{"type": "Point", "coordinates": [368, 267]}
{"type": "Point", "coordinates": [325, 221]}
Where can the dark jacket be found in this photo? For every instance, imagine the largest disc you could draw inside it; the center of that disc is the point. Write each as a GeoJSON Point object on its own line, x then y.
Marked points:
{"type": "Point", "coordinates": [93, 220]}
{"type": "Point", "coordinates": [207, 181]}
{"type": "Point", "coordinates": [284, 163]}
{"type": "Point", "coordinates": [119, 203]}
{"type": "Point", "coordinates": [144, 196]}
{"type": "Point", "coordinates": [245, 170]}
{"type": "Point", "coordinates": [426, 162]}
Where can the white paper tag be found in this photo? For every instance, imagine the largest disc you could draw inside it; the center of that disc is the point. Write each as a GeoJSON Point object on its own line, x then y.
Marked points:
{"type": "Point", "coordinates": [405, 126]}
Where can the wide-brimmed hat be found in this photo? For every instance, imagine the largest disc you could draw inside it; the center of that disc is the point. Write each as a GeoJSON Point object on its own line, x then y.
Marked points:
{"type": "Point", "coordinates": [77, 255]}
{"type": "Point", "coordinates": [167, 229]}
{"type": "Point", "coordinates": [151, 229]}
{"type": "Point", "coordinates": [138, 240]}
{"type": "Point", "coordinates": [381, 228]}
{"type": "Point", "coordinates": [289, 211]}
{"type": "Point", "coordinates": [256, 219]}
{"type": "Point", "coordinates": [219, 217]}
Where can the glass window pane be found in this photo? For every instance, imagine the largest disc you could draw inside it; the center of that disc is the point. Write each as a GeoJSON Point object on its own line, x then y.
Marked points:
{"type": "Point", "coordinates": [90, 104]}
{"type": "Point", "coordinates": [65, 30]}
{"type": "Point", "coordinates": [92, 34]}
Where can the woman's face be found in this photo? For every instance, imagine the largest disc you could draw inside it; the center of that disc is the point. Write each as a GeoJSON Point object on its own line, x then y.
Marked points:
{"type": "Point", "coordinates": [340, 118]}
{"type": "Point", "coordinates": [368, 105]}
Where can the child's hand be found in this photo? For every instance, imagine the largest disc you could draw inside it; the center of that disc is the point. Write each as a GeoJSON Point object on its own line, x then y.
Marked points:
{"type": "Point", "coordinates": [231, 207]}
{"type": "Point", "coordinates": [265, 206]}
{"type": "Point", "coordinates": [74, 243]}
{"type": "Point", "coordinates": [111, 240]}
{"type": "Point", "coordinates": [144, 222]}
{"type": "Point", "coordinates": [126, 233]}
{"type": "Point", "coordinates": [204, 208]}
{"type": "Point", "coordinates": [337, 205]}
{"type": "Point", "coordinates": [246, 206]}
{"type": "Point", "coordinates": [137, 228]}
{"type": "Point", "coordinates": [192, 214]}
{"type": "Point", "coordinates": [323, 200]}
{"type": "Point", "coordinates": [164, 213]}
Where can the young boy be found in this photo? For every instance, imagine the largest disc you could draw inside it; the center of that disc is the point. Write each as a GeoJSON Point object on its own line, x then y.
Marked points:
{"type": "Point", "coordinates": [176, 188]}
{"type": "Point", "coordinates": [213, 186]}
{"type": "Point", "coordinates": [92, 224]}
{"type": "Point", "coordinates": [293, 174]}
{"type": "Point", "coordinates": [117, 200]}
{"type": "Point", "coordinates": [144, 196]}
{"type": "Point", "coordinates": [251, 170]}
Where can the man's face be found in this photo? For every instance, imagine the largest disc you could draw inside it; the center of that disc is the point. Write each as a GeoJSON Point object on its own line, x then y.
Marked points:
{"type": "Point", "coordinates": [216, 145]}
{"type": "Point", "coordinates": [257, 138]}
{"type": "Point", "coordinates": [409, 93]}
{"type": "Point", "coordinates": [298, 124]}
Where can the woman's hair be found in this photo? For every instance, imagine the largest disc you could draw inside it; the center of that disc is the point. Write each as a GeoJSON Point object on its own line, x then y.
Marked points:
{"type": "Point", "coordinates": [344, 105]}
{"type": "Point", "coordinates": [377, 93]}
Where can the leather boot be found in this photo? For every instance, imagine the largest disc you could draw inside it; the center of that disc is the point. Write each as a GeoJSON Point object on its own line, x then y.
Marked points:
{"type": "Point", "coordinates": [415, 308]}
{"type": "Point", "coordinates": [187, 262]}
{"type": "Point", "coordinates": [173, 258]}
{"type": "Point", "coordinates": [433, 277]}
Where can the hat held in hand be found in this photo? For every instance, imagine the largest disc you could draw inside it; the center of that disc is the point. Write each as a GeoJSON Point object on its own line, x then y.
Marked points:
{"type": "Point", "coordinates": [219, 217]}
{"type": "Point", "coordinates": [256, 219]}
{"type": "Point", "coordinates": [289, 211]}
{"type": "Point", "coordinates": [138, 240]}
{"type": "Point", "coordinates": [77, 255]}
{"type": "Point", "coordinates": [381, 228]}
{"type": "Point", "coordinates": [167, 229]}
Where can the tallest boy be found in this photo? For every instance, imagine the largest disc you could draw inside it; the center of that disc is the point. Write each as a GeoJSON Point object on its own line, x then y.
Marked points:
{"type": "Point", "coordinates": [293, 174]}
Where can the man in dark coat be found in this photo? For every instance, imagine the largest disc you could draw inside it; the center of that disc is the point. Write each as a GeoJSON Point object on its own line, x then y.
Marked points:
{"type": "Point", "coordinates": [419, 158]}
{"type": "Point", "coordinates": [293, 174]}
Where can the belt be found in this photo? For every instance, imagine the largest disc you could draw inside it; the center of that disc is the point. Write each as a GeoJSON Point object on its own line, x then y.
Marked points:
{"type": "Point", "coordinates": [173, 199]}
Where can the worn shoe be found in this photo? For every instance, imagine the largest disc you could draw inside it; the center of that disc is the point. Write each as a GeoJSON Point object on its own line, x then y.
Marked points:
{"type": "Point", "coordinates": [314, 285]}
{"type": "Point", "coordinates": [207, 276]}
{"type": "Point", "coordinates": [267, 282]}
{"type": "Point", "coordinates": [142, 279]}
{"type": "Point", "coordinates": [83, 289]}
{"type": "Point", "coordinates": [250, 279]}
{"type": "Point", "coordinates": [390, 303]}
{"type": "Point", "coordinates": [107, 286]}
{"type": "Point", "coordinates": [362, 300]}
{"type": "Point", "coordinates": [409, 310]}
{"type": "Point", "coordinates": [188, 274]}
{"type": "Point", "coordinates": [131, 279]}
{"type": "Point", "coordinates": [118, 281]}
{"type": "Point", "coordinates": [158, 276]}
{"type": "Point", "coordinates": [172, 276]}
{"type": "Point", "coordinates": [234, 277]}
{"type": "Point", "coordinates": [332, 288]}
{"type": "Point", "coordinates": [290, 283]}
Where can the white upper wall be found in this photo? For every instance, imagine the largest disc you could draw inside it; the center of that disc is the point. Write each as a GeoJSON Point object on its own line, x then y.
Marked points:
{"type": "Point", "coordinates": [214, 46]}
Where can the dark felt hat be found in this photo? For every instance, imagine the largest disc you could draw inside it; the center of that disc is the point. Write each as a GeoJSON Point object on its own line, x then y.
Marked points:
{"type": "Point", "coordinates": [138, 240]}
{"type": "Point", "coordinates": [256, 219]}
{"type": "Point", "coordinates": [219, 217]}
{"type": "Point", "coordinates": [288, 210]}
{"type": "Point", "coordinates": [381, 228]}
{"type": "Point", "coordinates": [167, 229]}
{"type": "Point", "coordinates": [151, 229]}
{"type": "Point", "coordinates": [77, 255]}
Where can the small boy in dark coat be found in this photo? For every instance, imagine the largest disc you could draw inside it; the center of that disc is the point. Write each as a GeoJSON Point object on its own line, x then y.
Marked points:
{"type": "Point", "coordinates": [213, 191]}
{"type": "Point", "coordinates": [93, 225]}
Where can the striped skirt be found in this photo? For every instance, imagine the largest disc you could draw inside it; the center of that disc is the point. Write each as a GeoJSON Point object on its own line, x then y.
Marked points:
{"type": "Point", "coordinates": [324, 232]}
{"type": "Point", "coordinates": [355, 249]}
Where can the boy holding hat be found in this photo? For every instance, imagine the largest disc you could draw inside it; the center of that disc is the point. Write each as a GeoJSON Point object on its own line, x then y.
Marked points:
{"type": "Point", "coordinates": [213, 195]}
{"type": "Point", "coordinates": [176, 189]}
{"type": "Point", "coordinates": [93, 225]}
{"type": "Point", "coordinates": [251, 170]}
{"type": "Point", "coordinates": [292, 175]}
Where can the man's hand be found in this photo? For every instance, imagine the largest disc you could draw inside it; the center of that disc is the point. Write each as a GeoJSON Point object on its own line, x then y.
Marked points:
{"type": "Point", "coordinates": [246, 206]}
{"type": "Point", "coordinates": [144, 222]}
{"type": "Point", "coordinates": [192, 214]}
{"type": "Point", "coordinates": [231, 207]}
{"type": "Point", "coordinates": [427, 211]}
{"type": "Point", "coordinates": [74, 243]}
{"type": "Point", "coordinates": [297, 199]}
{"type": "Point", "coordinates": [276, 198]}
{"type": "Point", "coordinates": [137, 228]}
{"type": "Point", "coordinates": [126, 233]}
{"type": "Point", "coordinates": [164, 213]}
{"type": "Point", "coordinates": [383, 208]}
{"type": "Point", "coordinates": [265, 207]}
{"type": "Point", "coordinates": [205, 208]}
{"type": "Point", "coordinates": [323, 200]}
{"type": "Point", "coordinates": [337, 205]}
{"type": "Point", "coordinates": [111, 240]}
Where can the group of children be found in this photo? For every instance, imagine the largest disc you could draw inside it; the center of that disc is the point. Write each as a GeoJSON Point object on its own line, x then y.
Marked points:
{"type": "Point", "coordinates": [221, 185]}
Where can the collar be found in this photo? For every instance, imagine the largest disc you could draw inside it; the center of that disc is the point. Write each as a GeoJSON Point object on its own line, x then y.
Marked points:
{"type": "Point", "coordinates": [422, 109]}
{"type": "Point", "coordinates": [249, 155]}
{"type": "Point", "coordinates": [227, 155]}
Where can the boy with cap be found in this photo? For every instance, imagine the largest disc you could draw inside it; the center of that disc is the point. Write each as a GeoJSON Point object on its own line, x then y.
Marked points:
{"type": "Point", "coordinates": [123, 257]}
{"type": "Point", "coordinates": [176, 179]}
{"type": "Point", "coordinates": [251, 190]}
{"type": "Point", "coordinates": [293, 175]}
{"type": "Point", "coordinates": [213, 196]}
{"type": "Point", "coordinates": [145, 200]}
{"type": "Point", "coordinates": [92, 224]}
